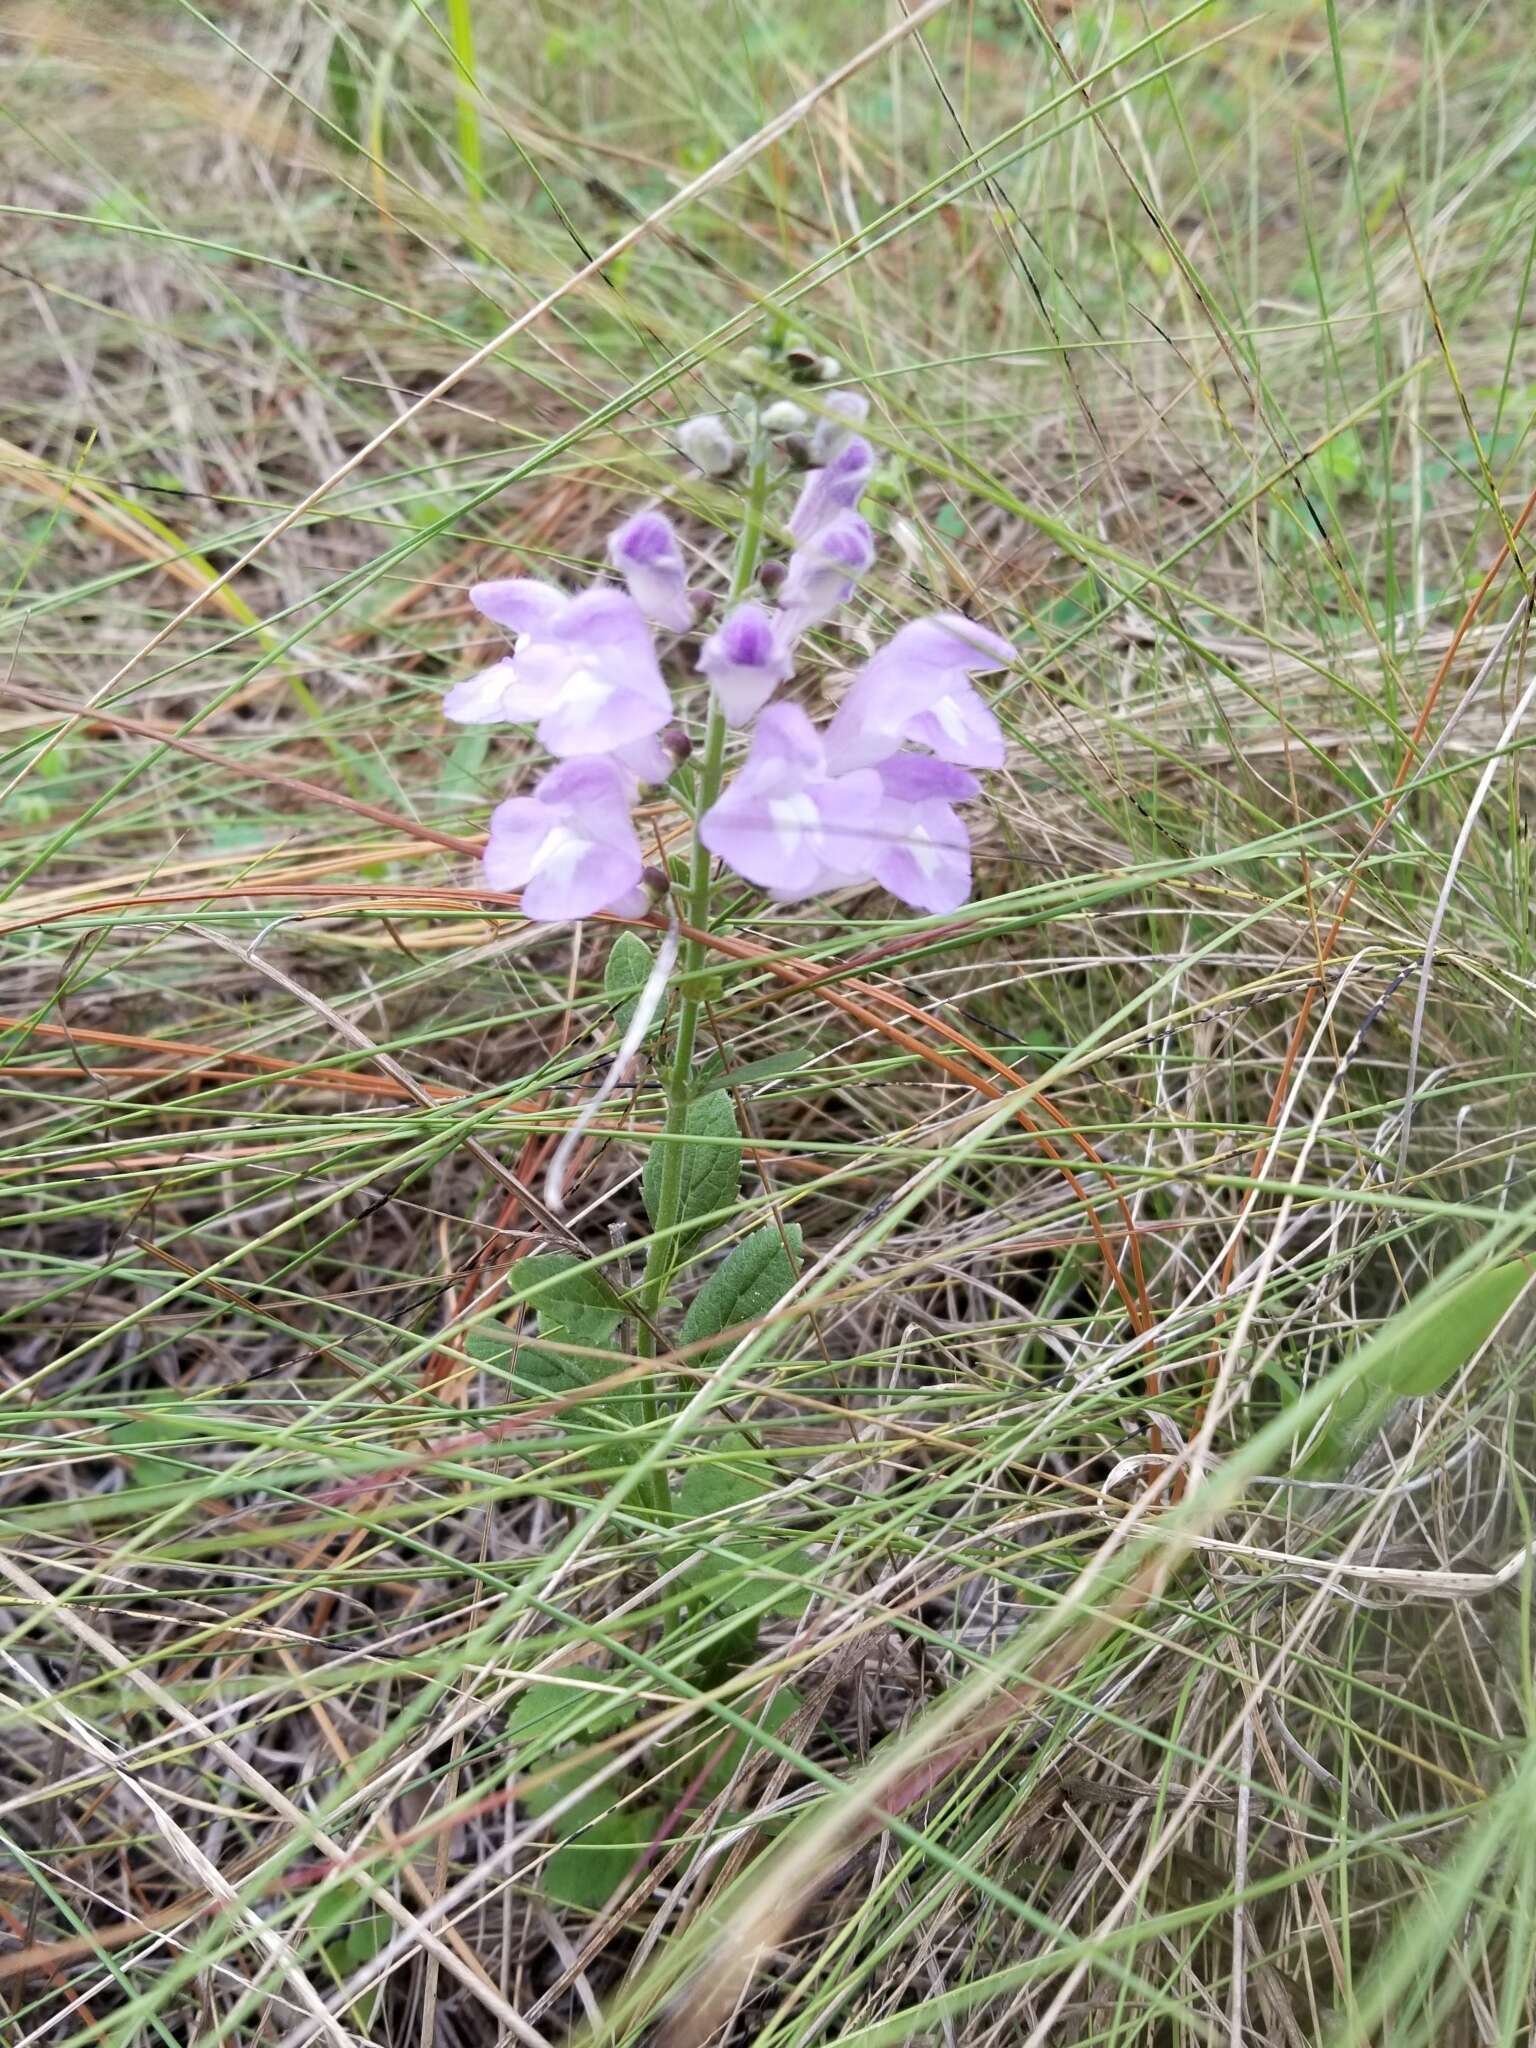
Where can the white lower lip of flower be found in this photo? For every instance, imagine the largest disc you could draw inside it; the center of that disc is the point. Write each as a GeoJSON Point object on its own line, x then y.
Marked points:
{"type": "Point", "coordinates": [559, 855]}
{"type": "Point", "coordinates": [951, 720]}
{"type": "Point", "coordinates": [582, 690]}
{"type": "Point", "coordinates": [794, 817]}
{"type": "Point", "coordinates": [925, 853]}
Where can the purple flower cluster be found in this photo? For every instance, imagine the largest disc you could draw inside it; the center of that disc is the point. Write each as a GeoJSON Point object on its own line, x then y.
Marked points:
{"type": "Point", "coordinates": [871, 797]}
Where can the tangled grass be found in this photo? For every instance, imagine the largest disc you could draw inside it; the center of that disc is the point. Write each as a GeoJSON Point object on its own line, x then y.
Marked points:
{"type": "Point", "coordinates": [1082, 1708]}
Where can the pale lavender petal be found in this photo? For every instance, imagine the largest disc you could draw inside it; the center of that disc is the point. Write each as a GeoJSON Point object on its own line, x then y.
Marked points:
{"type": "Point", "coordinates": [576, 879]}
{"type": "Point", "coordinates": [633, 903]}
{"type": "Point", "coordinates": [645, 552]}
{"type": "Point", "coordinates": [783, 822]}
{"type": "Point", "coordinates": [774, 841]}
{"type": "Point", "coordinates": [852, 812]}
{"type": "Point", "coordinates": [745, 661]}
{"type": "Point", "coordinates": [595, 790]}
{"type": "Point", "coordinates": [845, 410]}
{"type": "Point", "coordinates": [482, 699]}
{"type": "Point", "coordinates": [597, 713]}
{"type": "Point", "coordinates": [821, 573]}
{"type": "Point", "coordinates": [571, 846]}
{"type": "Point", "coordinates": [916, 688]}
{"type": "Point", "coordinates": [836, 487]}
{"type": "Point", "coordinates": [926, 859]}
{"type": "Point", "coordinates": [519, 828]}
{"type": "Point", "coordinates": [959, 726]}
{"type": "Point", "coordinates": [521, 603]}
{"type": "Point", "coordinates": [593, 681]}
{"type": "Point", "coordinates": [914, 778]}
{"type": "Point", "coordinates": [647, 760]}
{"type": "Point", "coordinates": [786, 747]}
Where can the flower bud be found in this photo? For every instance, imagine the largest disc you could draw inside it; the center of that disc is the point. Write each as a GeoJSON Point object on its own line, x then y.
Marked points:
{"type": "Point", "coordinates": [707, 445]}
{"type": "Point", "coordinates": [800, 357]}
{"type": "Point", "coordinates": [752, 364]}
{"type": "Point", "coordinates": [828, 370]}
{"type": "Point", "coordinates": [784, 417]}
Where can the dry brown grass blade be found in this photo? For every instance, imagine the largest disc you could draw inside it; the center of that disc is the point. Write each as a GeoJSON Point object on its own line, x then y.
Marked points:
{"type": "Point", "coordinates": [771, 1909]}
{"type": "Point", "coordinates": [1357, 868]}
{"type": "Point", "coordinates": [809, 980]}
{"type": "Point", "coordinates": [292, 785]}
{"type": "Point", "coordinates": [718, 173]}
{"type": "Point", "coordinates": [77, 495]}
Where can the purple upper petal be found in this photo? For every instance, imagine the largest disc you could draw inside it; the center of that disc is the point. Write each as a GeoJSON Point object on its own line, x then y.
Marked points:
{"type": "Point", "coordinates": [946, 642]}
{"type": "Point", "coordinates": [786, 747]}
{"type": "Point", "coordinates": [914, 778]}
{"type": "Point", "coordinates": [745, 661]}
{"type": "Point", "coordinates": [822, 571]}
{"type": "Point", "coordinates": [646, 554]}
{"type": "Point", "coordinates": [836, 487]}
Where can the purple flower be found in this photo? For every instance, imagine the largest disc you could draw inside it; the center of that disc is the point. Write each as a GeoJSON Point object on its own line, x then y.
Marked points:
{"type": "Point", "coordinates": [917, 691]}
{"type": "Point", "coordinates": [836, 487]}
{"type": "Point", "coordinates": [787, 824]}
{"type": "Point", "coordinates": [745, 660]}
{"type": "Point", "coordinates": [822, 571]}
{"type": "Point", "coordinates": [843, 412]}
{"type": "Point", "coordinates": [643, 760]}
{"type": "Point", "coordinates": [645, 552]}
{"type": "Point", "coordinates": [584, 669]}
{"type": "Point", "coordinates": [571, 846]}
{"type": "Point", "coordinates": [922, 849]}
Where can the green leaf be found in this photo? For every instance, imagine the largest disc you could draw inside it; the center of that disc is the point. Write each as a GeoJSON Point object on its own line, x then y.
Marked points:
{"type": "Point", "coordinates": [346, 94]}
{"type": "Point", "coordinates": [627, 971]}
{"type": "Point", "coordinates": [580, 1701]}
{"type": "Point", "coordinates": [352, 1931]}
{"type": "Point", "coordinates": [574, 1305]}
{"type": "Point", "coordinates": [598, 1842]}
{"type": "Point", "coordinates": [585, 1873]}
{"type": "Point", "coordinates": [1430, 1351]}
{"type": "Point", "coordinates": [1341, 462]}
{"type": "Point", "coordinates": [1460, 1322]}
{"type": "Point", "coordinates": [464, 770]}
{"type": "Point", "coordinates": [164, 1419]}
{"type": "Point", "coordinates": [733, 1475]}
{"type": "Point", "coordinates": [785, 1702]}
{"type": "Point", "coordinates": [711, 1167]}
{"type": "Point", "coordinates": [716, 1076]}
{"type": "Point", "coordinates": [572, 1300]}
{"type": "Point", "coordinates": [723, 1583]}
{"type": "Point", "coordinates": [755, 1277]}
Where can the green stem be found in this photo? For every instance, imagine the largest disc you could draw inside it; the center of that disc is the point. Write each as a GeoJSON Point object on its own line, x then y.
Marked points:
{"type": "Point", "coordinates": [662, 1252]}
